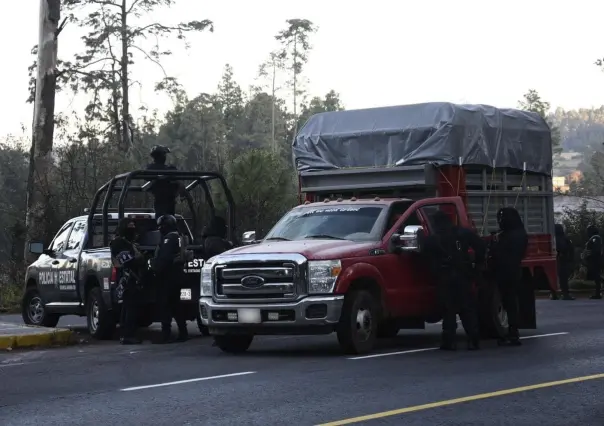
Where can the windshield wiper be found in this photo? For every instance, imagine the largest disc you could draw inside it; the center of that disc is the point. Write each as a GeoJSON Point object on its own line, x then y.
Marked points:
{"type": "Point", "coordinates": [278, 239]}
{"type": "Point", "coordinates": [327, 237]}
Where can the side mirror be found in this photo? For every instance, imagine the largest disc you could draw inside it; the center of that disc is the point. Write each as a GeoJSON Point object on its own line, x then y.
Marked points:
{"type": "Point", "coordinates": [408, 240]}
{"type": "Point", "coordinates": [36, 247]}
{"type": "Point", "coordinates": [248, 237]}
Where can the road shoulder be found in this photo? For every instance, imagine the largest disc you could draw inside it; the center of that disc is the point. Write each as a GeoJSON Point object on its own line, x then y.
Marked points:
{"type": "Point", "coordinates": [13, 336]}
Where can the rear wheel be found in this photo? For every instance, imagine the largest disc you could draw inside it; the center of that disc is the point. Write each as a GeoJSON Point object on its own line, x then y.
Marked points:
{"type": "Point", "coordinates": [234, 343]}
{"type": "Point", "coordinates": [34, 312]}
{"type": "Point", "coordinates": [101, 324]}
{"type": "Point", "coordinates": [357, 329]}
{"type": "Point", "coordinates": [493, 317]}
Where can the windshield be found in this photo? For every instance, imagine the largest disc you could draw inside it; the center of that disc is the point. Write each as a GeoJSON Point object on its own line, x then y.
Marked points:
{"type": "Point", "coordinates": [355, 223]}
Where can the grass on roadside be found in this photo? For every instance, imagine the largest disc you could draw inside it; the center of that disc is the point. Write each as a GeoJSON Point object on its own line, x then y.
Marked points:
{"type": "Point", "coordinates": [10, 298]}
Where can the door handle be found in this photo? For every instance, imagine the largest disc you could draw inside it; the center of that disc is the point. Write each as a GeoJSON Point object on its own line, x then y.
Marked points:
{"type": "Point", "coordinates": [73, 260]}
{"type": "Point", "coordinates": [55, 262]}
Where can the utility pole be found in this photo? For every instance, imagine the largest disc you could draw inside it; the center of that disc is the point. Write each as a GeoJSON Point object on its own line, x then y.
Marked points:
{"type": "Point", "coordinates": [40, 161]}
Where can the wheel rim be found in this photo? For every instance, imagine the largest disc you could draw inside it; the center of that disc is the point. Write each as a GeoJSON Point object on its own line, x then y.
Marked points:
{"type": "Point", "coordinates": [94, 316]}
{"type": "Point", "coordinates": [364, 324]}
{"type": "Point", "coordinates": [35, 310]}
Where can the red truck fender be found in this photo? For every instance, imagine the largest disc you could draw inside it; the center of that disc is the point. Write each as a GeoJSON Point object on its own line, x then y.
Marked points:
{"type": "Point", "coordinates": [363, 273]}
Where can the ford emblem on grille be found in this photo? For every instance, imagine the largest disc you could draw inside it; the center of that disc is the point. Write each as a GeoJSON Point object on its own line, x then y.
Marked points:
{"type": "Point", "coordinates": [252, 281]}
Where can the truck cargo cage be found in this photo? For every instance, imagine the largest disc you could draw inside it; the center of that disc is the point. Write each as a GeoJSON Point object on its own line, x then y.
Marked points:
{"type": "Point", "coordinates": [194, 179]}
{"type": "Point", "coordinates": [485, 189]}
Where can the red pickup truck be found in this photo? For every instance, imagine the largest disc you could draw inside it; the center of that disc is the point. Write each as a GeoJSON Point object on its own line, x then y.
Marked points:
{"type": "Point", "coordinates": [347, 259]}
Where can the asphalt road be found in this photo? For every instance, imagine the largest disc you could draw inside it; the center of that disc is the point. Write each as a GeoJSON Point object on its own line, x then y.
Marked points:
{"type": "Point", "coordinates": [306, 381]}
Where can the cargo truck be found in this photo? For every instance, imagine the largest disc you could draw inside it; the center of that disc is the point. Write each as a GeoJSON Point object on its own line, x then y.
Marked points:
{"type": "Point", "coordinates": [347, 260]}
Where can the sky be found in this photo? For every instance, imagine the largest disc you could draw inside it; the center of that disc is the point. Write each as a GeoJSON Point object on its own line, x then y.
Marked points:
{"type": "Point", "coordinates": [378, 53]}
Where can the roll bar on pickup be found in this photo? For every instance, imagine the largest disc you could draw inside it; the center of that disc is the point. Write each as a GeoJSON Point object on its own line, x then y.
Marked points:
{"type": "Point", "coordinates": [125, 180]}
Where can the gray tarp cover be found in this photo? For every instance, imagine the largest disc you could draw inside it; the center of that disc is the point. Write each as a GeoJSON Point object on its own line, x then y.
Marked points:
{"type": "Point", "coordinates": [437, 133]}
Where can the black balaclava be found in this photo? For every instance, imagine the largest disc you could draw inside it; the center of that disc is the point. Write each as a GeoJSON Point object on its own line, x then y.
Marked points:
{"type": "Point", "coordinates": [559, 230]}
{"type": "Point", "coordinates": [127, 229]}
{"type": "Point", "coordinates": [159, 158]}
{"type": "Point", "coordinates": [592, 230]}
{"type": "Point", "coordinates": [442, 222]}
{"type": "Point", "coordinates": [509, 219]}
{"type": "Point", "coordinates": [216, 228]}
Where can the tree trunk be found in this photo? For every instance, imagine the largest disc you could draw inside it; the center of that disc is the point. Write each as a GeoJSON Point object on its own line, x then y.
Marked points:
{"type": "Point", "coordinates": [273, 144]}
{"type": "Point", "coordinates": [38, 197]}
{"type": "Point", "coordinates": [126, 122]}
{"type": "Point", "coordinates": [295, 85]}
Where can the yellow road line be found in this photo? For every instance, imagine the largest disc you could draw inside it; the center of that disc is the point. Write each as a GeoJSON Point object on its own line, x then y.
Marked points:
{"type": "Point", "coordinates": [460, 400]}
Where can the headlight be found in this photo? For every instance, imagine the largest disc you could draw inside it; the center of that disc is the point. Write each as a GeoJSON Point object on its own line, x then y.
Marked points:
{"type": "Point", "coordinates": [322, 275]}
{"type": "Point", "coordinates": [206, 280]}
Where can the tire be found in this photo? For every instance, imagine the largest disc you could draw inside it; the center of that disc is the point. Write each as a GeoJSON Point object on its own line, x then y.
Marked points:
{"type": "Point", "coordinates": [493, 318]}
{"type": "Point", "coordinates": [357, 329]}
{"type": "Point", "coordinates": [34, 312]}
{"type": "Point", "coordinates": [387, 330]}
{"type": "Point", "coordinates": [202, 328]}
{"type": "Point", "coordinates": [233, 343]}
{"type": "Point", "coordinates": [100, 321]}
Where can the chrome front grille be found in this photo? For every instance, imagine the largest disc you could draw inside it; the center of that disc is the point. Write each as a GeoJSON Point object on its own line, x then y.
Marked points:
{"type": "Point", "coordinates": [240, 279]}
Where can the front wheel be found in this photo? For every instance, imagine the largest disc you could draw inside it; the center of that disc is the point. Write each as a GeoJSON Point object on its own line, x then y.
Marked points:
{"type": "Point", "coordinates": [101, 323]}
{"type": "Point", "coordinates": [357, 329]}
{"type": "Point", "coordinates": [34, 312]}
{"type": "Point", "coordinates": [233, 343]}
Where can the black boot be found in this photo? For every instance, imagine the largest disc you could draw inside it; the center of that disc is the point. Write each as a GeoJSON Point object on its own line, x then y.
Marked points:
{"type": "Point", "coordinates": [514, 337]}
{"type": "Point", "coordinates": [166, 336]}
{"type": "Point", "coordinates": [130, 341]}
{"type": "Point", "coordinates": [448, 342]}
{"type": "Point", "coordinates": [183, 334]}
{"type": "Point", "coordinates": [567, 296]}
{"type": "Point", "coordinates": [596, 297]}
{"type": "Point", "coordinates": [553, 295]}
{"type": "Point", "coordinates": [473, 343]}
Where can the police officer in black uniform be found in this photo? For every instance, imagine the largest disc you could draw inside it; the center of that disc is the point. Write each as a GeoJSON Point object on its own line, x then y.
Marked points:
{"type": "Point", "coordinates": [565, 258]}
{"type": "Point", "coordinates": [448, 252]}
{"type": "Point", "coordinates": [592, 259]}
{"type": "Point", "coordinates": [130, 263]}
{"type": "Point", "coordinates": [164, 190]}
{"type": "Point", "coordinates": [214, 238]}
{"type": "Point", "coordinates": [169, 271]}
{"type": "Point", "coordinates": [507, 253]}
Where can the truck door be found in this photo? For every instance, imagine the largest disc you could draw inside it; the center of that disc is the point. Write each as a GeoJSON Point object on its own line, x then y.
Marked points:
{"type": "Point", "coordinates": [68, 263]}
{"type": "Point", "coordinates": [413, 285]}
{"type": "Point", "coordinates": [48, 273]}
{"type": "Point", "coordinates": [405, 273]}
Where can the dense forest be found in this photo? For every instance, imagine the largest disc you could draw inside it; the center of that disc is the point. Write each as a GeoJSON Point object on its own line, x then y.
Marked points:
{"type": "Point", "coordinates": [244, 134]}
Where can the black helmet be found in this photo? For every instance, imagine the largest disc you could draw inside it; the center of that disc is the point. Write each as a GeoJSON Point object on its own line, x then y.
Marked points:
{"type": "Point", "coordinates": [592, 230]}
{"type": "Point", "coordinates": [159, 151]}
{"type": "Point", "coordinates": [166, 223]}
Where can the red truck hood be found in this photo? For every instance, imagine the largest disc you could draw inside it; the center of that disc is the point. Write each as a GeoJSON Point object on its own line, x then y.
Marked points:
{"type": "Point", "coordinates": [311, 249]}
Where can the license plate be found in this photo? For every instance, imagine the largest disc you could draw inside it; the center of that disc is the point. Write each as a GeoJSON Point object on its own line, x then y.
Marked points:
{"type": "Point", "coordinates": [185, 294]}
{"type": "Point", "coordinates": [249, 316]}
